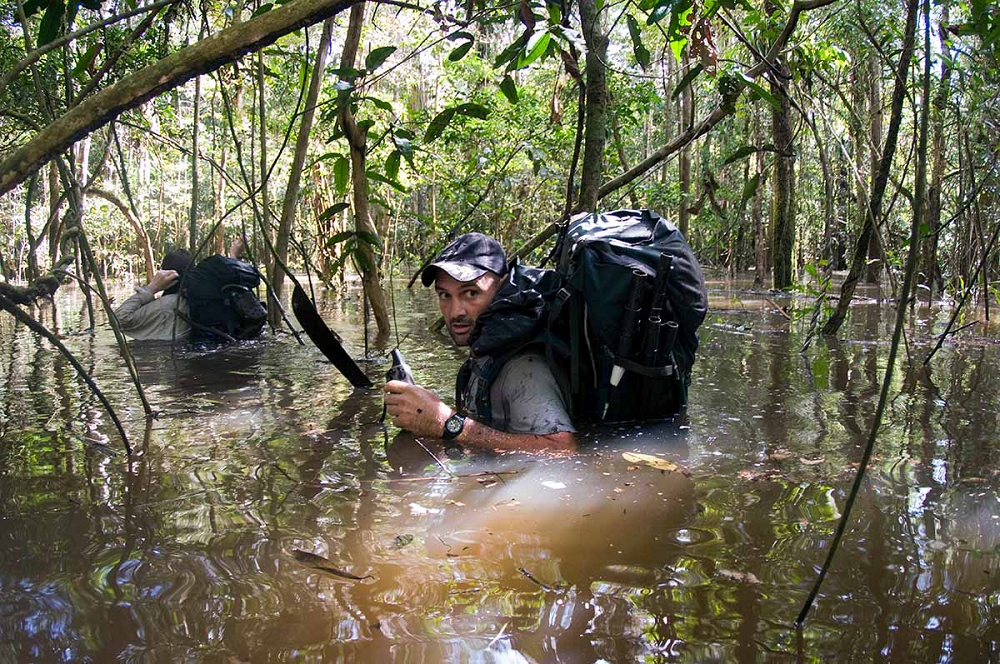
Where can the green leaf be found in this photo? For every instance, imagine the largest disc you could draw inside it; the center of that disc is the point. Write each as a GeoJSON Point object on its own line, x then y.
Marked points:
{"type": "Point", "coordinates": [337, 238]}
{"type": "Point", "coordinates": [509, 89]}
{"type": "Point", "coordinates": [740, 153]}
{"type": "Point", "coordinates": [661, 10]}
{"type": "Point", "coordinates": [510, 53]}
{"type": "Point", "coordinates": [461, 34]}
{"type": "Point", "coordinates": [341, 175]}
{"type": "Point", "coordinates": [534, 49]}
{"type": "Point", "coordinates": [51, 23]}
{"type": "Point", "coordinates": [369, 239]}
{"type": "Point", "coordinates": [638, 49]}
{"type": "Point", "coordinates": [378, 57]}
{"type": "Point", "coordinates": [392, 165]}
{"type": "Point", "coordinates": [750, 188]}
{"type": "Point", "coordinates": [347, 73]}
{"type": "Point", "coordinates": [87, 59]}
{"type": "Point", "coordinates": [380, 104]}
{"type": "Point", "coordinates": [263, 9]}
{"type": "Point", "coordinates": [459, 52]}
{"type": "Point", "coordinates": [378, 177]}
{"type": "Point", "coordinates": [402, 132]}
{"type": "Point", "coordinates": [473, 110]}
{"type": "Point", "coordinates": [438, 124]}
{"type": "Point", "coordinates": [764, 94]}
{"type": "Point", "coordinates": [687, 80]}
{"type": "Point", "coordinates": [336, 208]}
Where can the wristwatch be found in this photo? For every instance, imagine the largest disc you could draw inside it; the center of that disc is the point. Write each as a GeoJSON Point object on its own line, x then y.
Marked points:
{"type": "Point", "coordinates": [453, 426]}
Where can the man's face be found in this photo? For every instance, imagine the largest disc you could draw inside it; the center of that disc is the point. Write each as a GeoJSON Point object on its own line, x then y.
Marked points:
{"type": "Point", "coordinates": [461, 302]}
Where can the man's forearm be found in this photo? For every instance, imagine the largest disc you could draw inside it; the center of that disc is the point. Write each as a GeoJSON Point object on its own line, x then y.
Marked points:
{"type": "Point", "coordinates": [480, 435]}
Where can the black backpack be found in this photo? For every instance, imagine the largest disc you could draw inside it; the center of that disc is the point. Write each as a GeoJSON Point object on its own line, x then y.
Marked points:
{"type": "Point", "coordinates": [620, 313]}
{"type": "Point", "coordinates": [221, 302]}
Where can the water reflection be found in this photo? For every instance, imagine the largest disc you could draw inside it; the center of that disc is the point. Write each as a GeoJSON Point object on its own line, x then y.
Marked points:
{"type": "Point", "coordinates": [186, 550]}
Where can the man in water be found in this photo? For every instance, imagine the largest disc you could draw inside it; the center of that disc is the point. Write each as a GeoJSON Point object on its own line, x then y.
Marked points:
{"type": "Point", "coordinates": [528, 409]}
{"type": "Point", "coordinates": [147, 317]}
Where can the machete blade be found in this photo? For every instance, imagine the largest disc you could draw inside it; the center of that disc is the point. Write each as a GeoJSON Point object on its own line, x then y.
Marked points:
{"type": "Point", "coordinates": [326, 339]}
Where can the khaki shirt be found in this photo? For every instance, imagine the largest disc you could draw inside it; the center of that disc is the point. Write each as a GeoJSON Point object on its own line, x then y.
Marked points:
{"type": "Point", "coordinates": [146, 317]}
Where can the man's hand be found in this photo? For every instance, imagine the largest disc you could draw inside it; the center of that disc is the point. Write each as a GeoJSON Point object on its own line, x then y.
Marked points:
{"type": "Point", "coordinates": [162, 280]}
{"type": "Point", "coordinates": [416, 409]}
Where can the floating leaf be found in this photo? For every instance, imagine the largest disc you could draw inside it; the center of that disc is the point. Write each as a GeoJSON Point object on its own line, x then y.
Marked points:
{"type": "Point", "coordinates": [402, 540]}
{"type": "Point", "coordinates": [650, 460]}
{"type": "Point", "coordinates": [322, 564]}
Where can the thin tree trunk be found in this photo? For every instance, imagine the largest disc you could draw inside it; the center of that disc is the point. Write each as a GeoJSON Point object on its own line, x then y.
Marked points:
{"type": "Point", "coordinates": [356, 138]}
{"type": "Point", "coordinates": [193, 216]}
{"type": "Point", "coordinates": [760, 233]}
{"type": "Point", "coordinates": [685, 116]}
{"type": "Point", "coordinates": [140, 233]}
{"type": "Point", "coordinates": [592, 170]}
{"type": "Point", "coordinates": [875, 253]}
{"type": "Point", "coordinates": [930, 268]}
{"type": "Point", "coordinates": [298, 161]}
{"type": "Point", "coordinates": [882, 177]}
{"type": "Point", "coordinates": [271, 267]}
{"type": "Point", "coordinates": [782, 202]}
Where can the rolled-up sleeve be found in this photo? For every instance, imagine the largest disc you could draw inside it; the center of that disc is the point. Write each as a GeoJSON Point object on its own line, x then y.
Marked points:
{"type": "Point", "coordinates": [130, 314]}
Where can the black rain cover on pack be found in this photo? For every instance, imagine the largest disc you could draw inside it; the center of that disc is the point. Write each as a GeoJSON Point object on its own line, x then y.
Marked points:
{"type": "Point", "coordinates": [599, 255]}
{"type": "Point", "coordinates": [577, 314]}
{"type": "Point", "coordinates": [220, 297]}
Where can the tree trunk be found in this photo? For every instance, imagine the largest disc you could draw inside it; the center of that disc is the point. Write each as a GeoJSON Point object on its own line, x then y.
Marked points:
{"type": "Point", "coordinates": [592, 170]}
{"type": "Point", "coordinates": [271, 267]}
{"type": "Point", "coordinates": [929, 267]}
{"type": "Point", "coordinates": [882, 177]}
{"type": "Point", "coordinates": [783, 201]}
{"type": "Point", "coordinates": [193, 217]}
{"type": "Point", "coordinates": [298, 161]}
{"type": "Point", "coordinates": [356, 139]}
{"type": "Point", "coordinates": [685, 116]}
{"type": "Point", "coordinates": [760, 233]}
{"type": "Point", "coordinates": [875, 253]}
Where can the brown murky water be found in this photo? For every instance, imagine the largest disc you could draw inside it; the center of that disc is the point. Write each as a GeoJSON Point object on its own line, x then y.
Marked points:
{"type": "Point", "coordinates": [187, 551]}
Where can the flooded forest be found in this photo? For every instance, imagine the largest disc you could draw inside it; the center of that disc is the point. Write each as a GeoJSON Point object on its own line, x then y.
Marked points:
{"type": "Point", "coordinates": [830, 490]}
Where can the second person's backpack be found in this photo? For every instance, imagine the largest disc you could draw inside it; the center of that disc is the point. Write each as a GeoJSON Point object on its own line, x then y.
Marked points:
{"type": "Point", "coordinates": [220, 297]}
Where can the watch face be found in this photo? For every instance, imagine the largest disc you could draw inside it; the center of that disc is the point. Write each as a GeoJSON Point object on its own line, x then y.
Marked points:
{"type": "Point", "coordinates": [453, 425]}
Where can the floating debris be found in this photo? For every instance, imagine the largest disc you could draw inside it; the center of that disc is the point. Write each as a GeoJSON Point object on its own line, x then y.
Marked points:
{"type": "Point", "coordinates": [320, 563]}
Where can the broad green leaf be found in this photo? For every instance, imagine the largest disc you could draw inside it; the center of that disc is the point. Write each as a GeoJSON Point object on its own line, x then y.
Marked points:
{"type": "Point", "coordinates": [402, 132]}
{"type": "Point", "coordinates": [347, 73]}
{"type": "Point", "coordinates": [750, 188]}
{"type": "Point", "coordinates": [378, 177]}
{"type": "Point", "coordinates": [380, 104]}
{"type": "Point", "coordinates": [366, 124]}
{"type": "Point", "coordinates": [510, 53]}
{"type": "Point", "coordinates": [341, 175]}
{"type": "Point", "coordinates": [472, 110]}
{"type": "Point", "coordinates": [378, 57]}
{"type": "Point", "coordinates": [461, 34]}
{"type": "Point", "coordinates": [459, 52]}
{"type": "Point", "coordinates": [336, 208]}
{"type": "Point", "coordinates": [638, 49]}
{"type": "Point", "coordinates": [87, 58]}
{"type": "Point", "coordinates": [764, 94]}
{"type": "Point", "coordinates": [369, 238]}
{"type": "Point", "coordinates": [509, 89]}
{"type": "Point", "coordinates": [263, 9]}
{"type": "Point", "coordinates": [740, 153]}
{"type": "Point", "coordinates": [687, 80]}
{"type": "Point", "coordinates": [392, 165]}
{"type": "Point", "coordinates": [660, 10]}
{"type": "Point", "coordinates": [438, 124]}
{"type": "Point", "coordinates": [534, 48]}
{"type": "Point", "coordinates": [337, 238]}
{"type": "Point", "coordinates": [51, 23]}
